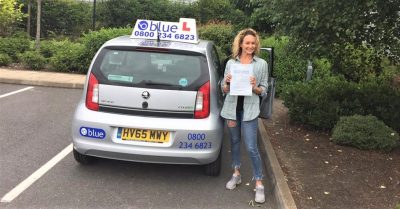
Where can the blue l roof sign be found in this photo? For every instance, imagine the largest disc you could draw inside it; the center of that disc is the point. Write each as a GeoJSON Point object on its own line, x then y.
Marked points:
{"type": "Point", "coordinates": [183, 31]}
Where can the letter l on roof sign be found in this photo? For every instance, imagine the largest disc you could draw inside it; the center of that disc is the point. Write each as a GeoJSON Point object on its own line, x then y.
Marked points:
{"type": "Point", "coordinates": [185, 28]}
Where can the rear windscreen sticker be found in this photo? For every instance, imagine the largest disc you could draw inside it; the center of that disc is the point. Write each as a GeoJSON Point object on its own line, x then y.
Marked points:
{"type": "Point", "coordinates": [154, 43]}
{"type": "Point", "coordinates": [183, 82]}
{"type": "Point", "coordinates": [122, 78]}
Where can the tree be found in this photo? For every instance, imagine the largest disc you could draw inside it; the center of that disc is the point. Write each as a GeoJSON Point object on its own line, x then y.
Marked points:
{"type": "Point", "coordinates": [28, 21]}
{"type": "Point", "coordinates": [120, 13]}
{"type": "Point", "coordinates": [325, 28]}
{"type": "Point", "coordinates": [261, 17]}
{"type": "Point", "coordinates": [10, 14]}
{"type": "Point", "coordinates": [218, 10]}
{"type": "Point", "coordinates": [39, 13]}
{"type": "Point", "coordinates": [63, 17]}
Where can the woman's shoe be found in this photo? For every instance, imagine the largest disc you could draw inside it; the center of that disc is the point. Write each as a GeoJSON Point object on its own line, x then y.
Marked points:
{"type": "Point", "coordinates": [235, 180]}
{"type": "Point", "coordinates": [260, 196]}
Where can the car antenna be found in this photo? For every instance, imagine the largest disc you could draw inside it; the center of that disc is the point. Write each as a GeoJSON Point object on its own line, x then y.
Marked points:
{"type": "Point", "coordinates": [158, 39]}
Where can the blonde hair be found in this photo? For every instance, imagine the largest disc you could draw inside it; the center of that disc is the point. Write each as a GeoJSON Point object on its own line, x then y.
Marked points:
{"type": "Point", "coordinates": [236, 50]}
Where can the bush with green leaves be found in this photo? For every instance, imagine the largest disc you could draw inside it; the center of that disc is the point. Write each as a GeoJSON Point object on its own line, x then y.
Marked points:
{"type": "Point", "coordinates": [365, 132]}
{"type": "Point", "coordinates": [381, 99]}
{"type": "Point", "coordinates": [10, 16]}
{"type": "Point", "coordinates": [357, 63]}
{"type": "Point", "coordinates": [33, 60]}
{"type": "Point", "coordinates": [48, 48]}
{"type": "Point", "coordinates": [222, 34]}
{"type": "Point", "coordinates": [74, 18]}
{"type": "Point", "coordinates": [290, 67]}
{"type": "Point", "coordinates": [67, 57]}
{"type": "Point", "coordinates": [13, 46]}
{"type": "Point", "coordinates": [321, 68]}
{"type": "Point", "coordinates": [93, 40]}
{"type": "Point", "coordinates": [317, 103]}
{"type": "Point", "coordinates": [5, 60]}
{"type": "Point", "coordinates": [320, 103]}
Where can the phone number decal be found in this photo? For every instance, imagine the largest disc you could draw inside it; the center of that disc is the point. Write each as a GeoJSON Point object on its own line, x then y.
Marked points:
{"type": "Point", "coordinates": [147, 34]}
{"type": "Point", "coordinates": [195, 145]}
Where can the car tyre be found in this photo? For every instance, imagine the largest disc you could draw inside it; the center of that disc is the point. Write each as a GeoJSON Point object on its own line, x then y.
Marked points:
{"type": "Point", "coordinates": [214, 168]}
{"type": "Point", "coordinates": [83, 159]}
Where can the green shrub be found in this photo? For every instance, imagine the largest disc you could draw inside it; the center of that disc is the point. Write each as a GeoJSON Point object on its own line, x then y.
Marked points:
{"type": "Point", "coordinates": [364, 132]}
{"type": "Point", "coordinates": [321, 102]}
{"type": "Point", "coordinates": [67, 57]}
{"type": "Point", "coordinates": [380, 99]}
{"type": "Point", "coordinates": [221, 55]}
{"type": "Point", "coordinates": [33, 59]}
{"type": "Point", "coordinates": [357, 63]}
{"type": "Point", "coordinates": [92, 42]}
{"type": "Point", "coordinates": [5, 60]}
{"type": "Point", "coordinates": [48, 48]}
{"type": "Point", "coordinates": [398, 206]}
{"type": "Point", "coordinates": [13, 46]}
{"type": "Point", "coordinates": [222, 34]}
{"type": "Point", "coordinates": [322, 68]}
{"type": "Point", "coordinates": [288, 67]}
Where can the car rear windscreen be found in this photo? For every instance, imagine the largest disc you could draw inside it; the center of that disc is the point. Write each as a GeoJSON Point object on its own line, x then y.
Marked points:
{"type": "Point", "coordinates": [151, 69]}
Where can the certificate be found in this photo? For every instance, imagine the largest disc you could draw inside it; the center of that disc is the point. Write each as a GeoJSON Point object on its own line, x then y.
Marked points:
{"type": "Point", "coordinates": [240, 82]}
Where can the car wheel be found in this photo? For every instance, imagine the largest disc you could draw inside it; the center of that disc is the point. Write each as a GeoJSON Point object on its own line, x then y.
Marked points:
{"type": "Point", "coordinates": [83, 159]}
{"type": "Point", "coordinates": [214, 168]}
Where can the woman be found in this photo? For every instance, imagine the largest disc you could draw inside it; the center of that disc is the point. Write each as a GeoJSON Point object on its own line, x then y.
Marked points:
{"type": "Point", "coordinates": [241, 112]}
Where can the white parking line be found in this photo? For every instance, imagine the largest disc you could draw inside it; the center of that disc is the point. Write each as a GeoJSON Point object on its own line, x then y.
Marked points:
{"type": "Point", "coordinates": [15, 92]}
{"type": "Point", "coordinates": [36, 175]}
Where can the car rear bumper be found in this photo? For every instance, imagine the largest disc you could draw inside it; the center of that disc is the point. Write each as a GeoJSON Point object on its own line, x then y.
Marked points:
{"type": "Point", "coordinates": [172, 152]}
{"type": "Point", "coordinates": [139, 154]}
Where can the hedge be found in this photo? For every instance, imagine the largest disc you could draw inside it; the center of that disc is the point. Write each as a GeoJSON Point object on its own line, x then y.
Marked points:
{"type": "Point", "coordinates": [67, 57]}
{"type": "Point", "coordinates": [12, 46]}
{"type": "Point", "coordinates": [5, 60]}
{"type": "Point", "coordinates": [321, 102]}
{"type": "Point", "coordinates": [33, 60]}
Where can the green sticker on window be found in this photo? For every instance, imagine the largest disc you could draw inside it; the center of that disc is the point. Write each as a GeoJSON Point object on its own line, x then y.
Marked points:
{"type": "Point", "coordinates": [183, 82]}
{"type": "Point", "coordinates": [122, 78]}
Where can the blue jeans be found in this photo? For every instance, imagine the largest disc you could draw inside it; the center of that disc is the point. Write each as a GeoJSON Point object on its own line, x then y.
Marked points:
{"type": "Point", "coordinates": [249, 129]}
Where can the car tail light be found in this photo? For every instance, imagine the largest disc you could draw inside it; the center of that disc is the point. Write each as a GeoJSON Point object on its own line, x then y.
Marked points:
{"type": "Point", "coordinates": [92, 95]}
{"type": "Point", "coordinates": [202, 109]}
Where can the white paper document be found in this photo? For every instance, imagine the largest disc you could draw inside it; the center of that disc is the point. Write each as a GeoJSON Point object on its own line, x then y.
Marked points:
{"type": "Point", "coordinates": [240, 82]}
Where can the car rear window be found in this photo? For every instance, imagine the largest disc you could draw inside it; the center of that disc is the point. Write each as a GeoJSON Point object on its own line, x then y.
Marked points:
{"type": "Point", "coordinates": [151, 68]}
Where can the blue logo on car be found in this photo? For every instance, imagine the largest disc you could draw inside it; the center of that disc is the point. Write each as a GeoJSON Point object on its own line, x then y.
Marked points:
{"type": "Point", "coordinates": [92, 132]}
{"type": "Point", "coordinates": [143, 25]}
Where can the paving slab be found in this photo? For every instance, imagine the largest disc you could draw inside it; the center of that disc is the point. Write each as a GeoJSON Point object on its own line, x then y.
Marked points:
{"type": "Point", "coordinates": [39, 78]}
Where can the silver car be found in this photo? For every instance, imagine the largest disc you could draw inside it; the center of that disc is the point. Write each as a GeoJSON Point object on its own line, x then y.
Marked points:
{"type": "Point", "coordinates": [151, 101]}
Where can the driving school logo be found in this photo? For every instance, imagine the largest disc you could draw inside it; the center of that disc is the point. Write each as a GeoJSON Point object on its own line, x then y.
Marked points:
{"type": "Point", "coordinates": [143, 25]}
{"type": "Point", "coordinates": [92, 132]}
{"type": "Point", "coordinates": [183, 31]}
{"type": "Point", "coordinates": [158, 26]}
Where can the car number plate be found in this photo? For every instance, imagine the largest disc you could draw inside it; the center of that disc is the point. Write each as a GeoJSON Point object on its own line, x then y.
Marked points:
{"type": "Point", "coordinates": [133, 134]}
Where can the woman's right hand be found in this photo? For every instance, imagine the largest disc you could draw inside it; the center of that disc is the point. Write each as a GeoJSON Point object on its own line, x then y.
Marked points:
{"type": "Point", "coordinates": [226, 87]}
{"type": "Point", "coordinates": [228, 78]}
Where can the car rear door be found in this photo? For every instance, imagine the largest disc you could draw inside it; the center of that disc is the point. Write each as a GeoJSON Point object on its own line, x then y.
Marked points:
{"type": "Point", "coordinates": [266, 107]}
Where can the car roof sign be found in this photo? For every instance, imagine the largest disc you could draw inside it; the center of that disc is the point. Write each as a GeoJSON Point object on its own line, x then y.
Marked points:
{"type": "Point", "coordinates": [183, 31]}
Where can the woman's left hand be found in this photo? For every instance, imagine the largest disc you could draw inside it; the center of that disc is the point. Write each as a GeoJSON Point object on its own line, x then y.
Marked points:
{"type": "Point", "coordinates": [253, 82]}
